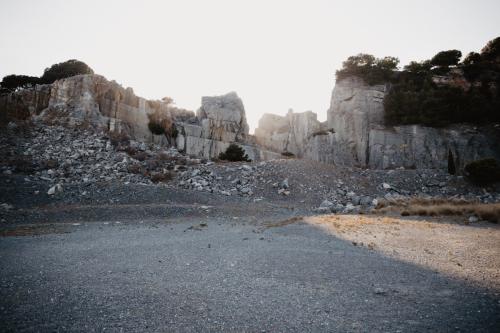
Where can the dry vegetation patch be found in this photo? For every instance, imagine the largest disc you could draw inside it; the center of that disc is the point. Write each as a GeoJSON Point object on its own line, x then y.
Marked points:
{"type": "Point", "coordinates": [442, 207]}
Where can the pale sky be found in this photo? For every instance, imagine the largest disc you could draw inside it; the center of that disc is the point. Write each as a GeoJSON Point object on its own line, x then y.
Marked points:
{"type": "Point", "coordinates": [275, 54]}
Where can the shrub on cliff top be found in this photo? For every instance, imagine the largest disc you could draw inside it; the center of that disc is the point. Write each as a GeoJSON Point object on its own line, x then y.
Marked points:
{"type": "Point", "coordinates": [446, 58]}
{"type": "Point", "coordinates": [234, 153]}
{"type": "Point", "coordinates": [55, 72]}
{"type": "Point", "coordinates": [65, 69]}
{"type": "Point", "coordinates": [12, 82]}
{"type": "Point", "coordinates": [372, 70]}
{"type": "Point", "coordinates": [415, 97]}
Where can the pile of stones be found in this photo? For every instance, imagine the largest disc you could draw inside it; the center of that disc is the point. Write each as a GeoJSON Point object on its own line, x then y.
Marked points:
{"type": "Point", "coordinates": [61, 155]}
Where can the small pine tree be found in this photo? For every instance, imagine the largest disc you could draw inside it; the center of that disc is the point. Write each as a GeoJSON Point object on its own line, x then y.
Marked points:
{"type": "Point", "coordinates": [451, 164]}
{"type": "Point", "coordinates": [234, 153]}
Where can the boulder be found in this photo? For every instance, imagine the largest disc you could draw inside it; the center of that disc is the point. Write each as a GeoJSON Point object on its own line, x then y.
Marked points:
{"type": "Point", "coordinates": [289, 133]}
{"type": "Point", "coordinates": [220, 121]}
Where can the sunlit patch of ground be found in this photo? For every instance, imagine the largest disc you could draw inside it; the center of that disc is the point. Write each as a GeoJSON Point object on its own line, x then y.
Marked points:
{"type": "Point", "coordinates": [447, 245]}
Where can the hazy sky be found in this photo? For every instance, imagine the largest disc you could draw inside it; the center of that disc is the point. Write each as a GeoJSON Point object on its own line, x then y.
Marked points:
{"type": "Point", "coordinates": [275, 54]}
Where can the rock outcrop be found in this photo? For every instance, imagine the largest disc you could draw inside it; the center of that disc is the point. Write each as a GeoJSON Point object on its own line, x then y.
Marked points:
{"type": "Point", "coordinates": [355, 107]}
{"type": "Point", "coordinates": [355, 135]}
{"type": "Point", "coordinates": [288, 134]}
{"type": "Point", "coordinates": [220, 121]}
{"type": "Point", "coordinates": [24, 103]}
{"type": "Point", "coordinates": [361, 138]}
{"type": "Point", "coordinates": [92, 100]}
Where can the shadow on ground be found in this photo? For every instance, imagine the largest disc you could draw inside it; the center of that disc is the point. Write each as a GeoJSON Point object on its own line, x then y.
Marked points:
{"type": "Point", "coordinates": [230, 275]}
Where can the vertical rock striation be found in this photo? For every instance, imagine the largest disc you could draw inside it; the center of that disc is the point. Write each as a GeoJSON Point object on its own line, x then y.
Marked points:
{"type": "Point", "coordinates": [287, 134]}
{"type": "Point", "coordinates": [355, 135]}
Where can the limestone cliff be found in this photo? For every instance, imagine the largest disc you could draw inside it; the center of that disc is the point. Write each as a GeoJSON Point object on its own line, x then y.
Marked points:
{"type": "Point", "coordinates": [93, 100]}
{"type": "Point", "coordinates": [354, 109]}
{"type": "Point", "coordinates": [355, 135]}
{"type": "Point", "coordinates": [289, 133]}
{"type": "Point", "coordinates": [220, 121]}
{"type": "Point", "coordinates": [361, 138]}
{"type": "Point", "coordinates": [24, 103]}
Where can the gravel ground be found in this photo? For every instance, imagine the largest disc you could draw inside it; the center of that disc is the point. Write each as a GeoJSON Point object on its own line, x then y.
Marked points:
{"type": "Point", "coordinates": [220, 274]}
{"type": "Point", "coordinates": [222, 246]}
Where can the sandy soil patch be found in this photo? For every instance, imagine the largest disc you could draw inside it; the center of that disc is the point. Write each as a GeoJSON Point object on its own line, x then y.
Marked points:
{"type": "Point", "coordinates": [447, 245]}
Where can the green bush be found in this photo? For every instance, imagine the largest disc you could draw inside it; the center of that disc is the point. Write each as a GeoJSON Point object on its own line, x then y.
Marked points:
{"type": "Point", "coordinates": [372, 70]}
{"type": "Point", "coordinates": [414, 98]}
{"type": "Point", "coordinates": [234, 153]}
{"type": "Point", "coordinates": [156, 128]}
{"type": "Point", "coordinates": [483, 172]}
{"type": "Point", "coordinates": [446, 58]}
{"type": "Point", "coordinates": [55, 72]}
{"type": "Point", "coordinates": [12, 82]}
{"type": "Point", "coordinates": [65, 69]}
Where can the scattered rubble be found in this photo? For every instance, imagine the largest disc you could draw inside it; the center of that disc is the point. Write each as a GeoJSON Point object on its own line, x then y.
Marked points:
{"type": "Point", "coordinates": [60, 157]}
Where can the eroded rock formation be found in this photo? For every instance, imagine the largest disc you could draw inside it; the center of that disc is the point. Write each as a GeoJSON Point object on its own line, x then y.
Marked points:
{"type": "Point", "coordinates": [355, 135]}
{"type": "Point", "coordinates": [220, 121]}
{"type": "Point", "coordinates": [24, 103]}
{"type": "Point", "coordinates": [288, 134]}
{"type": "Point", "coordinates": [93, 100]}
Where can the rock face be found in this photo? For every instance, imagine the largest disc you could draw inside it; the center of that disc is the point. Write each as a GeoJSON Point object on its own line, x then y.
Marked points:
{"type": "Point", "coordinates": [290, 133]}
{"type": "Point", "coordinates": [92, 100]}
{"type": "Point", "coordinates": [355, 107]}
{"type": "Point", "coordinates": [424, 147]}
{"type": "Point", "coordinates": [355, 135]}
{"type": "Point", "coordinates": [223, 118]}
{"type": "Point", "coordinates": [24, 103]}
{"type": "Point", "coordinates": [220, 121]}
{"type": "Point", "coordinates": [361, 138]}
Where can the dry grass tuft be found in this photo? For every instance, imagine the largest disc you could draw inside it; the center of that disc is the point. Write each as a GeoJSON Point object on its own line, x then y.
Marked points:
{"type": "Point", "coordinates": [283, 223]}
{"type": "Point", "coordinates": [159, 177]}
{"type": "Point", "coordinates": [442, 207]}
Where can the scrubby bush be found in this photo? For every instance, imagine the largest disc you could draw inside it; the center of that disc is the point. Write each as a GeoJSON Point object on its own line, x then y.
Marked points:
{"type": "Point", "coordinates": [160, 177]}
{"type": "Point", "coordinates": [65, 69]}
{"type": "Point", "coordinates": [372, 70]}
{"type": "Point", "coordinates": [415, 98]}
{"type": "Point", "coordinates": [120, 140]}
{"type": "Point", "coordinates": [139, 155]}
{"type": "Point", "coordinates": [483, 172]}
{"type": "Point", "coordinates": [13, 82]}
{"type": "Point", "coordinates": [287, 154]}
{"type": "Point", "coordinates": [55, 72]}
{"type": "Point", "coordinates": [156, 128]}
{"type": "Point", "coordinates": [446, 58]}
{"type": "Point", "coordinates": [234, 153]}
